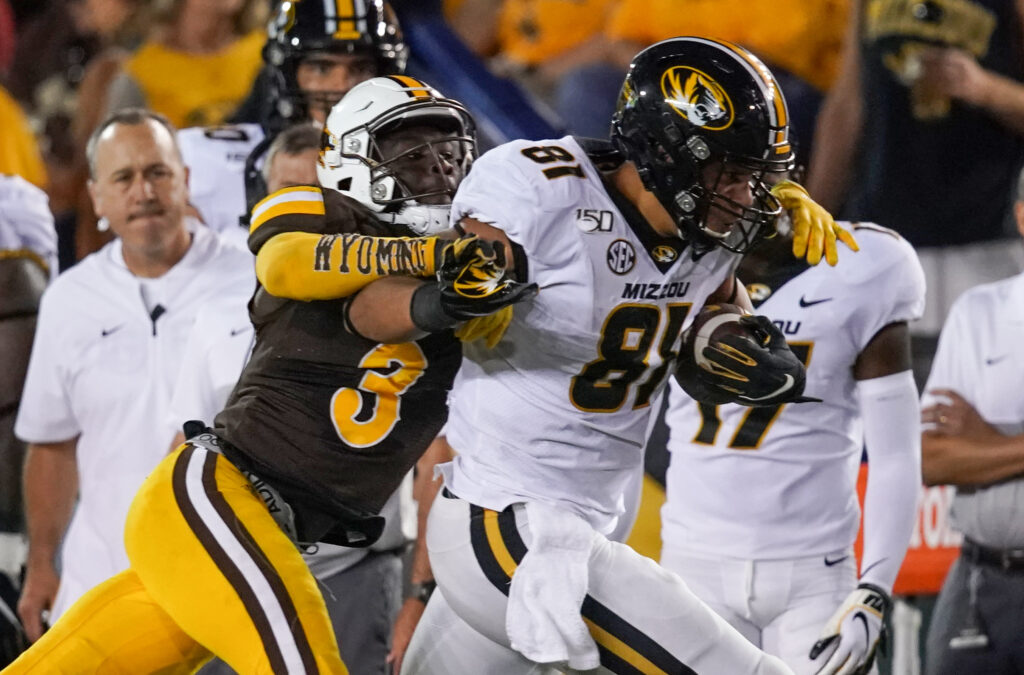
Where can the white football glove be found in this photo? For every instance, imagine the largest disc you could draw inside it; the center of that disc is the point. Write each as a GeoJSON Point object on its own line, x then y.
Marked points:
{"type": "Point", "coordinates": [851, 637]}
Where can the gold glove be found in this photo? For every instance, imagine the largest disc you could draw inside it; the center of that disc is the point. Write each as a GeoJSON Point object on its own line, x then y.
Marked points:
{"type": "Point", "coordinates": [491, 328]}
{"type": "Point", "coordinates": [814, 230]}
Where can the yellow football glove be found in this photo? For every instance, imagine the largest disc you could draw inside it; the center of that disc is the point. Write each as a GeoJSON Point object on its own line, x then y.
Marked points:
{"type": "Point", "coordinates": [814, 230]}
{"type": "Point", "coordinates": [490, 328]}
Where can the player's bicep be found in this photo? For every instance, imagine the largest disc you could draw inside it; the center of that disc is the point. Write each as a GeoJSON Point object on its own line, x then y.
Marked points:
{"type": "Point", "coordinates": [887, 353]}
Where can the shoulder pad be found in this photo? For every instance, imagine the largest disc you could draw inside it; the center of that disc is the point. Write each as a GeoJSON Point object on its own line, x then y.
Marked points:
{"type": "Point", "coordinates": [604, 155]}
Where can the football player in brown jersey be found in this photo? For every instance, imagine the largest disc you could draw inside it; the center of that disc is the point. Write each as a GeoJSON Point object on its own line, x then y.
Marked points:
{"type": "Point", "coordinates": [323, 423]}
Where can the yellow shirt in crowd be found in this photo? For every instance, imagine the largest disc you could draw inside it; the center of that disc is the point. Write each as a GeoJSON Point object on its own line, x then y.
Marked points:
{"type": "Point", "coordinates": [802, 36]}
{"type": "Point", "coordinates": [19, 152]}
{"type": "Point", "coordinates": [532, 31]}
{"type": "Point", "coordinates": [197, 89]}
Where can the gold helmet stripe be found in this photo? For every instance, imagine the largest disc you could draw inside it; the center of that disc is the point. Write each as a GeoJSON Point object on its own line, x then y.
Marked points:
{"type": "Point", "coordinates": [778, 137]}
{"type": "Point", "coordinates": [415, 88]}
{"type": "Point", "coordinates": [771, 86]}
{"type": "Point", "coordinates": [345, 19]}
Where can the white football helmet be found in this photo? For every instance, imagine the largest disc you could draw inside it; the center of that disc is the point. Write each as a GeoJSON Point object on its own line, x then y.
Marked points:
{"type": "Point", "coordinates": [351, 161]}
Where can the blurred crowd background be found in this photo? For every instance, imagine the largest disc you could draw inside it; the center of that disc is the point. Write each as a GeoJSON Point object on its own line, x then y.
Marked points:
{"type": "Point", "coordinates": [940, 166]}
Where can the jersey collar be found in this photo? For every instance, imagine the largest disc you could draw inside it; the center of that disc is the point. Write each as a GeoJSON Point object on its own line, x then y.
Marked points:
{"type": "Point", "coordinates": [663, 251]}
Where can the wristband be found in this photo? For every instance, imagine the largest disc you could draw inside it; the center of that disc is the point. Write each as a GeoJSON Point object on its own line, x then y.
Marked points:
{"type": "Point", "coordinates": [426, 311]}
{"type": "Point", "coordinates": [422, 591]}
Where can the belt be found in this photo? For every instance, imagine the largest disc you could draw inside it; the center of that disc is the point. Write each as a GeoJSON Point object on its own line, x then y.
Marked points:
{"type": "Point", "coordinates": [1007, 559]}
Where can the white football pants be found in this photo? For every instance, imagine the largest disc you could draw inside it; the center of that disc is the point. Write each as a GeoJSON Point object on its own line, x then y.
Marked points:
{"type": "Point", "coordinates": [646, 619]}
{"type": "Point", "coordinates": [781, 606]}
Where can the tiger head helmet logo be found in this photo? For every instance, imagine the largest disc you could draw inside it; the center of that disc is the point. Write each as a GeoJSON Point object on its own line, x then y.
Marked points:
{"type": "Point", "coordinates": [697, 97]}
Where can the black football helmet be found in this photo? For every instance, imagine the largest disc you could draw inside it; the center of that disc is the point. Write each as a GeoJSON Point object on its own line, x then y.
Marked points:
{"type": "Point", "coordinates": [692, 110]}
{"type": "Point", "coordinates": [300, 28]}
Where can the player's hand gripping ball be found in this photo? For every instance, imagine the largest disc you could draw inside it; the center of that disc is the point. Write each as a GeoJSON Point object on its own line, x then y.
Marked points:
{"type": "Point", "coordinates": [730, 356]}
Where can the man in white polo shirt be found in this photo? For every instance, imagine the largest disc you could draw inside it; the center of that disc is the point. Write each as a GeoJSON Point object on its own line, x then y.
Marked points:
{"type": "Point", "coordinates": [973, 421]}
{"type": "Point", "coordinates": [107, 350]}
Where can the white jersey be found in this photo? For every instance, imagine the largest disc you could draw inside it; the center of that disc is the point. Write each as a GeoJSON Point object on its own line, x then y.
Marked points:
{"type": "Point", "coordinates": [26, 224]}
{"type": "Point", "coordinates": [558, 411]}
{"type": "Point", "coordinates": [779, 481]}
{"type": "Point", "coordinates": [216, 158]}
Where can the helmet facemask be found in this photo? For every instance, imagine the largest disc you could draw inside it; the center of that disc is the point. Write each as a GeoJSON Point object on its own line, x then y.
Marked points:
{"type": "Point", "coordinates": [405, 163]}
{"type": "Point", "coordinates": [746, 223]}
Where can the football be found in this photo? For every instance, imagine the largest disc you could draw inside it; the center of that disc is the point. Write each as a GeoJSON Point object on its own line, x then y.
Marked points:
{"type": "Point", "coordinates": [710, 325]}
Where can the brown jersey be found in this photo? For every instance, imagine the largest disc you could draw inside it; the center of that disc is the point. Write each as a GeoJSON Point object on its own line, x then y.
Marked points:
{"type": "Point", "coordinates": [333, 420]}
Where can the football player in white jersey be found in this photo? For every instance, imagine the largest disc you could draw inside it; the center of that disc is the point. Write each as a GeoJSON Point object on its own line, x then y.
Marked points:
{"type": "Point", "coordinates": [315, 53]}
{"type": "Point", "coordinates": [625, 242]}
{"type": "Point", "coordinates": [762, 509]}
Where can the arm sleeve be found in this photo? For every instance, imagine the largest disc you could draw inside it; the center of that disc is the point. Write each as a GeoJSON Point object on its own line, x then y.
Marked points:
{"type": "Point", "coordinates": [302, 253]}
{"type": "Point", "coordinates": [892, 432]}
{"type": "Point", "coordinates": [45, 414]}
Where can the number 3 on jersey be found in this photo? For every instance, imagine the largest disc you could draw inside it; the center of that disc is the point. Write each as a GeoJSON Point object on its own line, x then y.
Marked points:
{"type": "Point", "coordinates": [365, 416]}
{"type": "Point", "coordinates": [623, 354]}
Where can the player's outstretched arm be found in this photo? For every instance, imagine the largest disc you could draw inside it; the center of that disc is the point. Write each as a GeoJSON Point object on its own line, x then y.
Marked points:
{"type": "Point", "coordinates": [306, 266]}
{"type": "Point", "coordinates": [472, 282]}
{"type": "Point", "coordinates": [814, 230]}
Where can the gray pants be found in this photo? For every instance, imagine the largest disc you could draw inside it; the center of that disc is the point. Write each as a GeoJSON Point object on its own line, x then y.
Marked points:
{"type": "Point", "coordinates": [363, 602]}
{"type": "Point", "coordinates": [1000, 606]}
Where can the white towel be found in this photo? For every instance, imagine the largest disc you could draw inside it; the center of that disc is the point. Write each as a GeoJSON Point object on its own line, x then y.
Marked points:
{"type": "Point", "coordinates": [543, 618]}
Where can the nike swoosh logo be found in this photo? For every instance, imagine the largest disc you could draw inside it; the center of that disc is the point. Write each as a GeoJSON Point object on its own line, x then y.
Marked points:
{"type": "Point", "coordinates": [236, 331]}
{"type": "Point", "coordinates": [995, 359]}
{"type": "Point", "coordinates": [105, 332]}
{"type": "Point", "coordinates": [809, 303]}
{"type": "Point", "coordinates": [786, 386]}
{"type": "Point", "coordinates": [830, 563]}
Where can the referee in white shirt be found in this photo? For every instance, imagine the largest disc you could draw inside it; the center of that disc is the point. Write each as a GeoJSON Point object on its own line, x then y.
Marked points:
{"type": "Point", "coordinates": [107, 351]}
{"type": "Point", "coordinates": [973, 421]}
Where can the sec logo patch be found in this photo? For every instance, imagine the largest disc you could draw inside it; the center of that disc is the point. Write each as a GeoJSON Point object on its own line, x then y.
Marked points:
{"type": "Point", "coordinates": [621, 256]}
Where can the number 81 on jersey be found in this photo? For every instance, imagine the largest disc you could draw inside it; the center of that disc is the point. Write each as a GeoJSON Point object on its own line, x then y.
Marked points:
{"type": "Point", "coordinates": [623, 351]}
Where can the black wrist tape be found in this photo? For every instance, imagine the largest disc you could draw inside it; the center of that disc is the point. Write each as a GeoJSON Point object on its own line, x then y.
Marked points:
{"type": "Point", "coordinates": [426, 310]}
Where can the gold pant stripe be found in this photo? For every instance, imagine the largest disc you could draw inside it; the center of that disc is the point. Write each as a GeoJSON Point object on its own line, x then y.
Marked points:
{"type": "Point", "coordinates": [273, 643]}
{"type": "Point", "coordinates": [624, 648]}
{"type": "Point", "coordinates": [497, 544]}
{"type": "Point", "coordinates": [621, 649]}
